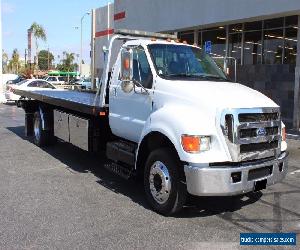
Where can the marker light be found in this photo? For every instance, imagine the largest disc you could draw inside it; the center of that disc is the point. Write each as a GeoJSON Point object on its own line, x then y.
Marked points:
{"type": "Point", "coordinates": [195, 144]}
{"type": "Point", "coordinates": [283, 134]}
{"type": "Point", "coordinates": [126, 63]}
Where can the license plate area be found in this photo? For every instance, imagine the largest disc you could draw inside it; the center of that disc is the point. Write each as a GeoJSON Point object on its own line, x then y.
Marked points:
{"type": "Point", "coordinates": [259, 173]}
{"type": "Point", "coordinates": [260, 185]}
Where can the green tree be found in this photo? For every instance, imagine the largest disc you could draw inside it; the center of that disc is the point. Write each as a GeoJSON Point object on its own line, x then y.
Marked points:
{"type": "Point", "coordinates": [14, 63]}
{"type": "Point", "coordinates": [67, 62]}
{"type": "Point", "coordinates": [45, 59]}
{"type": "Point", "coordinates": [39, 33]}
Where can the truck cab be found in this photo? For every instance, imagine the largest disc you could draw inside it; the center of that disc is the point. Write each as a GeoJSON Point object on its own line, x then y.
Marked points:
{"type": "Point", "coordinates": [228, 138]}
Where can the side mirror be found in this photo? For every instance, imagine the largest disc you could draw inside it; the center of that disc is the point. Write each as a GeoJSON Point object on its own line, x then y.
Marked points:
{"type": "Point", "coordinates": [126, 65]}
{"type": "Point", "coordinates": [127, 87]}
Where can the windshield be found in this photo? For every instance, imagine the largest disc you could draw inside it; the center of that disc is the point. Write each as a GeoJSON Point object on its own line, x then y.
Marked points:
{"type": "Point", "coordinates": [181, 61]}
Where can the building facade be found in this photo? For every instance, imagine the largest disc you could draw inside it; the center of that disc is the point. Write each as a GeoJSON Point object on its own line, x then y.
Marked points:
{"type": "Point", "coordinates": [260, 36]}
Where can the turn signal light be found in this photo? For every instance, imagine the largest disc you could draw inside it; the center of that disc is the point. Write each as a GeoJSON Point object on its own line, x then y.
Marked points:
{"type": "Point", "coordinates": [195, 144]}
{"type": "Point", "coordinates": [190, 144]}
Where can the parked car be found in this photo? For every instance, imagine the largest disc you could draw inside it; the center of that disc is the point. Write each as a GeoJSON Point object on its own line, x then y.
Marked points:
{"type": "Point", "coordinates": [31, 84]}
{"type": "Point", "coordinates": [85, 83]}
{"type": "Point", "coordinates": [16, 80]}
{"type": "Point", "coordinates": [6, 78]}
{"type": "Point", "coordinates": [55, 79]}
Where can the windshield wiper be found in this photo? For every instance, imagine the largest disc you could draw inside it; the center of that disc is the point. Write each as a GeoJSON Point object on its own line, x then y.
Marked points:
{"type": "Point", "coordinates": [180, 75]}
{"type": "Point", "coordinates": [197, 76]}
{"type": "Point", "coordinates": [213, 77]}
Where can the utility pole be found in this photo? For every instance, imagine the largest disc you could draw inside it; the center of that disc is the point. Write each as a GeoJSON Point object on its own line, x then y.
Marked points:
{"type": "Point", "coordinates": [25, 58]}
{"type": "Point", "coordinates": [93, 29]}
{"type": "Point", "coordinates": [87, 13]}
{"type": "Point", "coordinates": [48, 59]}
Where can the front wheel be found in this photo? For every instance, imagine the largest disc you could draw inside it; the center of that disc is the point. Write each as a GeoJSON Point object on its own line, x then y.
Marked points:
{"type": "Point", "coordinates": [164, 182]}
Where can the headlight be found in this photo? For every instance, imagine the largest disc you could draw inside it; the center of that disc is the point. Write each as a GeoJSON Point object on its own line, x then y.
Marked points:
{"type": "Point", "coordinates": [195, 143]}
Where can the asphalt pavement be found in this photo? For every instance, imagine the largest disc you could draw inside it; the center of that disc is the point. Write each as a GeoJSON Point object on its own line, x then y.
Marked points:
{"type": "Point", "coordinates": [62, 198]}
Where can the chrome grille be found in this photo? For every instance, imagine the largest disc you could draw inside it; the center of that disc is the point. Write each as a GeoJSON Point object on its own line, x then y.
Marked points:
{"type": "Point", "coordinates": [258, 117]}
{"type": "Point", "coordinates": [245, 148]}
{"type": "Point", "coordinates": [252, 133]}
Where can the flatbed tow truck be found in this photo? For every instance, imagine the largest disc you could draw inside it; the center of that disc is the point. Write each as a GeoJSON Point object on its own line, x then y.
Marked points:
{"type": "Point", "coordinates": [165, 112]}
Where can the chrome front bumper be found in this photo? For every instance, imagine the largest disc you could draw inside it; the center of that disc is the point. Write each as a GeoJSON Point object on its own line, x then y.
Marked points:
{"type": "Point", "coordinates": [217, 181]}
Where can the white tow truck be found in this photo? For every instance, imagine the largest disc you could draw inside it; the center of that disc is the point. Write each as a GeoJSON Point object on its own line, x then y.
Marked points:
{"type": "Point", "coordinates": [165, 112]}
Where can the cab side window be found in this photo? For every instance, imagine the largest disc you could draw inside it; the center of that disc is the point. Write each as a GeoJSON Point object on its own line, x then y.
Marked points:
{"type": "Point", "coordinates": [141, 68]}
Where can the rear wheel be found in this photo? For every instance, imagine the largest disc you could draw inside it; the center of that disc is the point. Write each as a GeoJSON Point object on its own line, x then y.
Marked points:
{"type": "Point", "coordinates": [41, 137]}
{"type": "Point", "coordinates": [164, 182]}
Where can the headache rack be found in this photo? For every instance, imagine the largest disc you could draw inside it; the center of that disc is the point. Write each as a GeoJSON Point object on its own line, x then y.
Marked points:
{"type": "Point", "coordinates": [138, 33]}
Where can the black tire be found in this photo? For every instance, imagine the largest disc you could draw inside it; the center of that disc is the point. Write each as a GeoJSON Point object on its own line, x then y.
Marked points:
{"type": "Point", "coordinates": [177, 193]}
{"type": "Point", "coordinates": [19, 104]}
{"type": "Point", "coordinates": [41, 137]}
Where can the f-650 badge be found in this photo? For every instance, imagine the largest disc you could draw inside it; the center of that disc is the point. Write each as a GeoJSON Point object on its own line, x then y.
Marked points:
{"type": "Point", "coordinates": [261, 132]}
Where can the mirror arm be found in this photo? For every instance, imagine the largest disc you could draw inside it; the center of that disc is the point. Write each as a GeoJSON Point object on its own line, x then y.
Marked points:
{"type": "Point", "coordinates": [139, 84]}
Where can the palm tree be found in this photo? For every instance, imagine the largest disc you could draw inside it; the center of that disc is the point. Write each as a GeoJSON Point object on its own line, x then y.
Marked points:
{"type": "Point", "coordinates": [69, 61]}
{"type": "Point", "coordinates": [38, 33]}
{"type": "Point", "coordinates": [14, 63]}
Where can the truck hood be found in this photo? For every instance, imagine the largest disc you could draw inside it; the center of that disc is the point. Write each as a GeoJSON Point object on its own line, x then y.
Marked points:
{"type": "Point", "coordinates": [217, 95]}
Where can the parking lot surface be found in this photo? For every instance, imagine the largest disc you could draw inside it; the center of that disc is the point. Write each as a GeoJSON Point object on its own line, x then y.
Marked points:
{"type": "Point", "coordinates": [63, 198]}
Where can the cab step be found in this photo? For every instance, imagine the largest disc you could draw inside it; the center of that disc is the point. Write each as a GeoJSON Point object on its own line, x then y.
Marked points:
{"type": "Point", "coordinates": [119, 170]}
{"type": "Point", "coordinates": [121, 152]}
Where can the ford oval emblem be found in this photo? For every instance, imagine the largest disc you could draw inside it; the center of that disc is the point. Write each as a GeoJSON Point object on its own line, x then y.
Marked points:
{"type": "Point", "coordinates": [261, 132]}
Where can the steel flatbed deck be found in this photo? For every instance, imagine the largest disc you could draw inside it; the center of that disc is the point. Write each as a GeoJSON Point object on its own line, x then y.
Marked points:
{"type": "Point", "coordinates": [84, 102]}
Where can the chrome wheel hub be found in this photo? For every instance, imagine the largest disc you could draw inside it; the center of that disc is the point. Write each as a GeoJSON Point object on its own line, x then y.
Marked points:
{"type": "Point", "coordinates": [160, 182]}
{"type": "Point", "coordinates": [36, 129]}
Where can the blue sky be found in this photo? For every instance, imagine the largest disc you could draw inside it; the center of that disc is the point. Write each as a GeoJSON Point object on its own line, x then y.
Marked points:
{"type": "Point", "coordinates": [58, 17]}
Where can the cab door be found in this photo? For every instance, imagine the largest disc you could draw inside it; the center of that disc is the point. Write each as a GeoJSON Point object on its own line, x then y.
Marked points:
{"type": "Point", "coordinates": [128, 112]}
